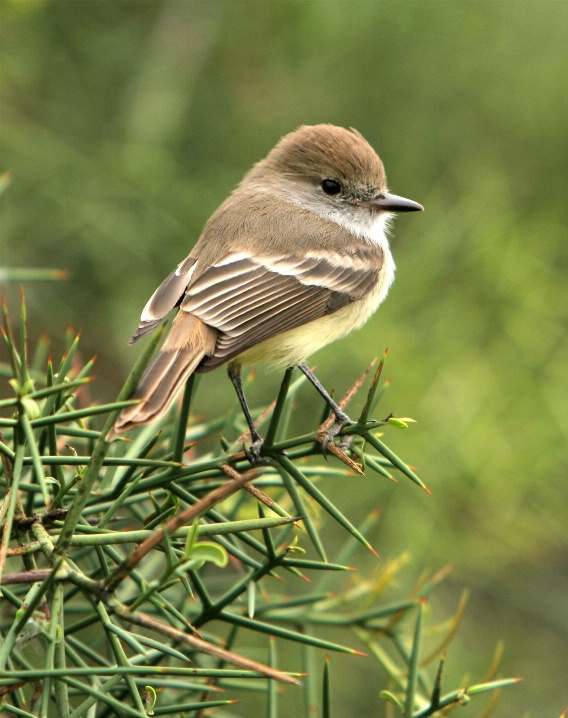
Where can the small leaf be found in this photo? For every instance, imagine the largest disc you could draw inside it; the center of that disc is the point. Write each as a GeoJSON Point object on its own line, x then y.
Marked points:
{"type": "Point", "coordinates": [251, 599]}
{"type": "Point", "coordinates": [31, 408]}
{"type": "Point", "coordinates": [150, 697]}
{"type": "Point", "coordinates": [391, 698]}
{"type": "Point", "coordinates": [205, 551]}
{"type": "Point", "coordinates": [294, 548]}
{"type": "Point", "coordinates": [400, 423]}
{"type": "Point", "coordinates": [191, 539]}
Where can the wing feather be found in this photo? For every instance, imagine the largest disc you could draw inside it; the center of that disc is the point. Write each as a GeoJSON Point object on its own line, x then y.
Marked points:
{"type": "Point", "coordinates": [165, 298]}
{"type": "Point", "coordinates": [227, 348]}
{"type": "Point", "coordinates": [250, 299]}
{"type": "Point", "coordinates": [221, 296]}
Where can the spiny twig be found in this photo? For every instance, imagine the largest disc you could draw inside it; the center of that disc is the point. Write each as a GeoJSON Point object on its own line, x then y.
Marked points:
{"type": "Point", "coordinates": [114, 579]}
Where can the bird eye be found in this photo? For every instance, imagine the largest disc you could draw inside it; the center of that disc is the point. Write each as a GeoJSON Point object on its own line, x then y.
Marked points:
{"type": "Point", "coordinates": [330, 186]}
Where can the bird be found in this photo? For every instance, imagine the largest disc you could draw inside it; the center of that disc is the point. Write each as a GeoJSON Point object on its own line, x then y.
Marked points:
{"type": "Point", "coordinates": [296, 257]}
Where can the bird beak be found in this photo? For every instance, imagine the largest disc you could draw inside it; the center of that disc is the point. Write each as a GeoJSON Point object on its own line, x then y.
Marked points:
{"type": "Point", "coordinates": [393, 203]}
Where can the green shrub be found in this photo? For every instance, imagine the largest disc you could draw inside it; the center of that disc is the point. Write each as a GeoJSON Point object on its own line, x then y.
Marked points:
{"type": "Point", "coordinates": [138, 577]}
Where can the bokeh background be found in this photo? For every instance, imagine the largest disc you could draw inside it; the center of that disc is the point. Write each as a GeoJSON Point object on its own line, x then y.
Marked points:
{"type": "Point", "coordinates": [126, 123]}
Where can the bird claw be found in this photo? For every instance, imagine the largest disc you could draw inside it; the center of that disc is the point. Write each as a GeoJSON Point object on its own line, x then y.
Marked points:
{"type": "Point", "coordinates": [341, 421]}
{"type": "Point", "coordinates": [253, 454]}
{"type": "Point", "coordinates": [345, 442]}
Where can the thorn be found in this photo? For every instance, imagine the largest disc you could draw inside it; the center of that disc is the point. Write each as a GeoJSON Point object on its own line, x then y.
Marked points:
{"type": "Point", "coordinates": [341, 455]}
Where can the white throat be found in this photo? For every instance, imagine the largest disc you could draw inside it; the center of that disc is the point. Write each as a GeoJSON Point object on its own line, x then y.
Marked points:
{"type": "Point", "coordinates": [365, 225]}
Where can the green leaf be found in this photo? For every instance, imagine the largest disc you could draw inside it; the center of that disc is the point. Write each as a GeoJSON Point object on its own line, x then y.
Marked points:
{"type": "Point", "coordinates": [190, 539]}
{"type": "Point", "coordinates": [205, 551]}
{"type": "Point", "coordinates": [150, 698]}
{"type": "Point", "coordinates": [399, 423]}
{"type": "Point", "coordinates": [391, 698]}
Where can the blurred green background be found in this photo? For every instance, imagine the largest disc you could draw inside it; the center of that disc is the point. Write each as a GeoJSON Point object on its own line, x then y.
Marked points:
{"type": "Point", "coordinates": [126, 123]}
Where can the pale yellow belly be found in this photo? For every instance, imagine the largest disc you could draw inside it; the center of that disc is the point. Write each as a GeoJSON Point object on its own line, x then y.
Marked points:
{"type": "Point", "coordinates": [296, 345]}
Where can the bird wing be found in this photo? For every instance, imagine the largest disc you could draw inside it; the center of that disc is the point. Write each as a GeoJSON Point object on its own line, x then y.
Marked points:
{"type": "Point", "coordinates": [249, 297]}
{"type": "Point", "coordinates": [165, 298]}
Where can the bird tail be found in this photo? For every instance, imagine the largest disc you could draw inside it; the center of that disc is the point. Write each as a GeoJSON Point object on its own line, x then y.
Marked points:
{"type": "Point", "coordinates": [188, 342]}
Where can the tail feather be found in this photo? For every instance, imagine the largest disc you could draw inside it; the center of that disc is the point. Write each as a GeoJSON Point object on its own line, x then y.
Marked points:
{"type": "Point", "coordinates": [188, 342]}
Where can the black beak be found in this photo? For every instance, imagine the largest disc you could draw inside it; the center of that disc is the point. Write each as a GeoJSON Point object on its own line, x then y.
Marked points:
{"type": "Point", "coordinates": [393, 203]}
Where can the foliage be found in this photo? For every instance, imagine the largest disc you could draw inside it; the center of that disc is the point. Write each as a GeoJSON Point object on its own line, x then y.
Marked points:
{"type": "Point", "coordinates": [140, 579]}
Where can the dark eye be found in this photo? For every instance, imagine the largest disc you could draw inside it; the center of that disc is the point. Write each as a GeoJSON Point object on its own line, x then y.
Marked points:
{"type": "Point", "coordinates": [330, 186]}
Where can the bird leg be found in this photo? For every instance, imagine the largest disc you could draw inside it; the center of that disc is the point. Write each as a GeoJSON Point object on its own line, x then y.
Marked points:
{"type": "Point", "coordinates": [252, 454]}
{"type": "Point", "coordinates": [341, 418]}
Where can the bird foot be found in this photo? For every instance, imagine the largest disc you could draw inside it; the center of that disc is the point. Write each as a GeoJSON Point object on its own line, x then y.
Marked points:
{"type": "Point", "coordinates": [328, 435]}
{"type": "Point", "coordinates": [253, 453]}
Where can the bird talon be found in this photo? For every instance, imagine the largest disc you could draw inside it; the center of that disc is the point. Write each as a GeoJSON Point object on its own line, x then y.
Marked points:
{"type": "Point", "coordinates": [253, 454]}
{"type": "Point", "coordinates": [324, 443]}
{"type": "Point", "coordinates": [341, 421]}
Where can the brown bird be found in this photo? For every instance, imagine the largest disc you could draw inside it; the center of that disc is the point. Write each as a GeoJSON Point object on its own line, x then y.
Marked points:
{"type": "Point", "coordinates": [296, 257]}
